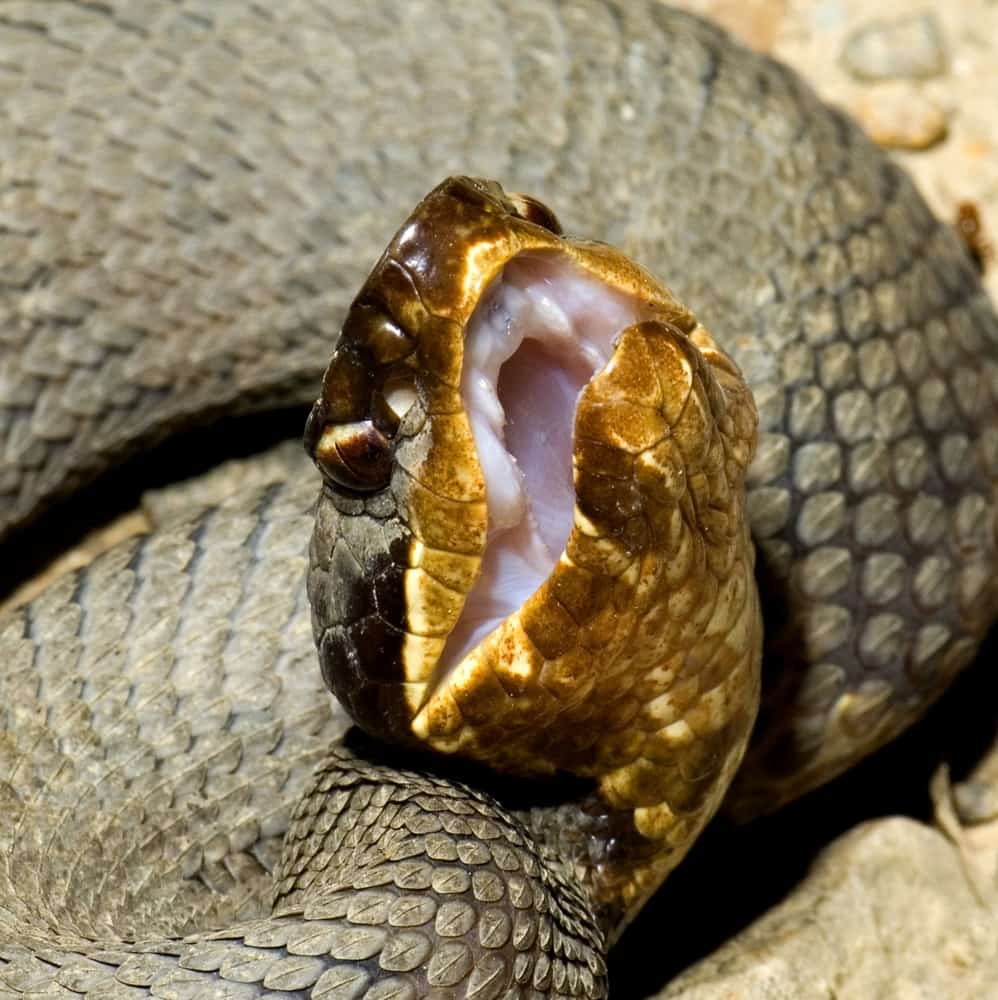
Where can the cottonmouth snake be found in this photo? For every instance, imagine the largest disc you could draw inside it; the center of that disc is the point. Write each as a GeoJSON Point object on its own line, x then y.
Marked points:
{"type": "Point", "coordinates": [190, 197]}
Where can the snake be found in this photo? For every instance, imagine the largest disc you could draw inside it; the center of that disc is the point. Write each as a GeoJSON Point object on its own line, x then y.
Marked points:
{"type": "Point", "coordinates": [191, 195]}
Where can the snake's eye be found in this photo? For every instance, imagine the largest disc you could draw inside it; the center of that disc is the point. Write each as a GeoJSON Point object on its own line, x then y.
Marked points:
{"type": "Point", "coordinates": [536, 212]}
{"type": "Point", "coordinates": [356, 456]}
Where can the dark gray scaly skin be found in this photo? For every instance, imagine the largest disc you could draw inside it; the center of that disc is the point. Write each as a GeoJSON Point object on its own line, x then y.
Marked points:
{"type": "Point", "coordinates": [164, 724]}
{"type": "Point", "coordinates": [190, 194]}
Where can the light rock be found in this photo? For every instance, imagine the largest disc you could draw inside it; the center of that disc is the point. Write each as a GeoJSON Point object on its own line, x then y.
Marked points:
{"type": "Point", "coordinates": [887, 911]}
{"type": "Point", "coordinates": [909, 47]}
{"type": "Point", "coordinates": [976, 797]}
{"type": "Point", "coordinates": [968, 814]}
{"type": "Point", "coordinates": [896, 116]}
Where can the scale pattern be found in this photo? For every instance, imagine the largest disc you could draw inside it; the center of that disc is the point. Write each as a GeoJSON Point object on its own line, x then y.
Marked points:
{"type": "Point", "coordinates": [189, 197]}
{"type": "Point", "coordinates": [191, 191]}
{"type": "Point", "coordinates": [164, 724]}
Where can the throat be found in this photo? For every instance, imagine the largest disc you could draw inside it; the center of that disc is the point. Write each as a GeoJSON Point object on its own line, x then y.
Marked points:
{"type": "Point", "coordinates": [538, 391]}
{"type": "Point", "coordinates": [541, 331]}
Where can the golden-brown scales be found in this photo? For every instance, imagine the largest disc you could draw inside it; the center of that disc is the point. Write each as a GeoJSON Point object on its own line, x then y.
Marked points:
{"type": "Point", "coordinates": [636, 663]}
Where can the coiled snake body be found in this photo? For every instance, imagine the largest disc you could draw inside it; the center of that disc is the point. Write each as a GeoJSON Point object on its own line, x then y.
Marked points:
{"type": "Point", "coordinates": [190, 194]}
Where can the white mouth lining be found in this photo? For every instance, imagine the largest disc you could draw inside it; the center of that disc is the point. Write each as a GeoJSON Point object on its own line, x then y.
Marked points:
{"type": "Point", "coordinates": [546, 323]}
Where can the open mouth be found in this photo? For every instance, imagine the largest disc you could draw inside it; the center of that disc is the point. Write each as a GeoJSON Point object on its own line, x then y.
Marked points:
{"type": "Point", "coordinates": [542, 329]}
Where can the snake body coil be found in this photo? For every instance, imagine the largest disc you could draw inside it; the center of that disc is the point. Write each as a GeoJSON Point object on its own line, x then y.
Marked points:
{"type": "Point", "coordinates": [190, 195]}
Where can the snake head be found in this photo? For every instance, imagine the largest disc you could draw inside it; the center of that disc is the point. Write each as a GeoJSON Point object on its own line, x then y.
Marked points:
{"type": "Point", "coordinates": [366, 392]}
{"type": "Point", "coordinates": [531, 547]}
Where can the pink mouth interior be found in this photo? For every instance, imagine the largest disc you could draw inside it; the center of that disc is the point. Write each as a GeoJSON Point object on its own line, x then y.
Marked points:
{"type": "Point", "coordinates": [541, 331]}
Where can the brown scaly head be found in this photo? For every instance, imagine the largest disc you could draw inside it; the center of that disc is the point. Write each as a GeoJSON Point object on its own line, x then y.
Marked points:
{"type": "Point", "coordinates": [531, 546]}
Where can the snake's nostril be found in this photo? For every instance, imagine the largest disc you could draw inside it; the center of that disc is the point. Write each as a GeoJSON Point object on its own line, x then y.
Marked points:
{"type": "Point", "coordinates": [355, 456]}
{"type": "Point", "coordinates": [536, 212]}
